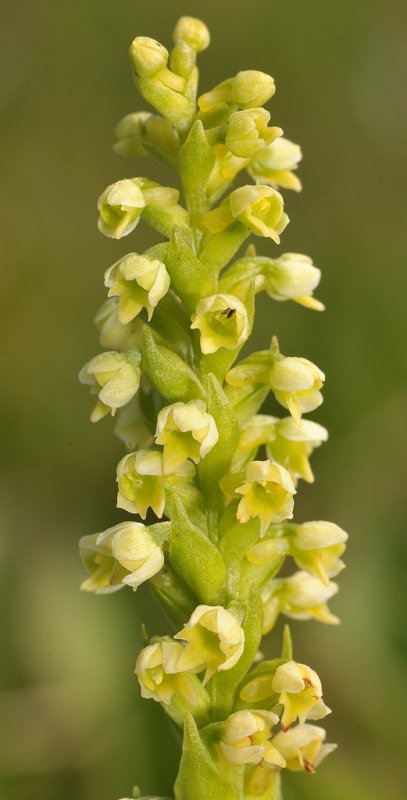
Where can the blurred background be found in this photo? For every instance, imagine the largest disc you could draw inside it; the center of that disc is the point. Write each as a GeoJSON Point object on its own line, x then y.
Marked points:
{"type": "Point", "coordinates": [71, 721]}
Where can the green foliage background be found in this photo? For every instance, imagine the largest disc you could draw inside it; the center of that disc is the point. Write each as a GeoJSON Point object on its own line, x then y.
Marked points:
{"type": "Point", "coordinates": [71, 722]}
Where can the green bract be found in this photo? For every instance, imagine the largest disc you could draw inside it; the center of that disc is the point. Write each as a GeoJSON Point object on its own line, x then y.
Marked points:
{"type": "Point", "coordinates": [218, 476]}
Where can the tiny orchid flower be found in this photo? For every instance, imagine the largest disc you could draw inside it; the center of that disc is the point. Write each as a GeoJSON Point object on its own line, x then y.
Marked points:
{"type": "Point", "coordinates": [215, 641]}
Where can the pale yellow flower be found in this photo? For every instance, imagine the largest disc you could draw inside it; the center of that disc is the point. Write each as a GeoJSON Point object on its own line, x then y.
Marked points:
{"type": "Point", "coordinates": [158, 674]}
{"type": "Point", "coordinates": [267, 492]}
{"type": "Point", "coordinates": [215, 641]}
{"type": "Point", "coordinates": [138, 283]}
{"type": "Point", "coordinates": [248, 132]}
{"type": "Point", "coordinates": [142, 482]}
{"type": "Point", "coordinates": [299, 690]}
{"type": "Point", "coordinates": [124, 554]}
{"type": "Point", "coordinates": [122, 203]}
{"type": "Point", "coordinates": [259, 208]}
{"type": "Point", "coordinates": [302, 747]}
{"type": "Point", "coordinates": [293, 444]}
{"type": "Point", "coordinates": [114, 377]}
{"type": "Point", "coordinates": [185, 430]}
{"type": "Point", "coordinates": [296, 383]}
{"type": "Point", "coordinates": [301, 596]}
{"type": "Point", "coordinates": [112, 333]}
{"type": "Point", "coordinates": [317, 547]}
{"type": "Point", "coordinates": [275, 164]}
{"type": "Point", "coordinates": [246, 739]}
{"type": "Point", "coordinates": [293, 276]}
{"type": "Point", "coordinates": [222, 321]}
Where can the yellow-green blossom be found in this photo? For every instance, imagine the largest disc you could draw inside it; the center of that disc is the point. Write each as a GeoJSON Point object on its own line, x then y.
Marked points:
{"type": "Point", "coordinates": [286, 442]}
{"type": "Point", "coordinates": [131, 426]}
{"type": "Point", "coordinates": [246, 739]}
{"type": "Point", "coordinates": [142, 481]}
{"type": "Point", "coordinates": [104, 573]}
{"type": "Point", "coordinates": [185, 430]}
{"type": "Point", "coordinates": [302, 747]}
{"type": "Point", "coordinates": [317, 547]}
{"type": "Point", "coordinates": [301, 596]}
{"type": "Point", "coordinates": [215, 641]}
{"type": "Point", "coordinates": [138, 283]}
{"type": "Point", "coordinates": [299, 690]}
{"type": "Point", "coordinates": [158, 673]}
{"type": "Point", "coordinates": [258, 208]}
{"type": "Point", "coordinates": [222, 321]}
{"type": "Point", "coordinates": [120, 206]}
{"type": "Point", "coordinates": [130, 133]}
{"type": "Point", "coordinates": [275, 163]}
{"type": "Point", "coordinates": [114, 377]}
{"type": "Point", "coordinates": [248, 132]}
{"type": "Point", "coordinates": [296, 383]}
{"type": "Point", "coordinates": [248, 89]}
{"type": "Point", "coordinates": [293, 444]}
{"type": "Point", "coordinates": [113, 334]}
{"type": "Point", "coordinates": [293, 276]}
{"type": "Point", "coordinates": [267, 492]}
{"type": "Point", "coordinates": [124, 554]}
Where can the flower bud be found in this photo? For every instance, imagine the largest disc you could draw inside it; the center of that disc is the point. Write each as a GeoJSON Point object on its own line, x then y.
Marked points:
{"type": "Point", "coordinates": [248, 89]}
{"type": "Point", "coordinates": [293, 277]}
{"type": "Point", "coordinates": [215, 641]}
{"type": "Point", "coordinates": [296, 383]}
{"type": "Point", "coordinates": [259, 208]}
{"type": "Point", "coordinates": [299, 690]}
{"type": "Point", "coordinates": [267, 494]}
{"type": "Point", "coordinates": [124, 554]}
{"type": "Point", "coordinates": [222, 321]}
{"type": "Point", "coordinates": [302, 747]}
{"type": "Point", "coordinates": [193, 32]}
{"type": "Point", "coordinates": [248, 133]}
{"type": "Point", "coordinates": [293, 444]}
{"type": "Point", "coordinates": [142, 482]}
{"type": "Point", "coordinates": [317, 547]}
{"type": "Point", "coordinates": [252, 88]}
{"type": "Point", "coordinates": [185, 430]}
{"type": "Point", "coordinates": [148, 56]}
{"type": "Point", "coordinates": [275, 163]}
{"type": "Point", "coordinates": [114, 377]}
{"type": "Point", "coordinates": [139, 283]}
{"type": "Point", "coordinates": [246, 739]}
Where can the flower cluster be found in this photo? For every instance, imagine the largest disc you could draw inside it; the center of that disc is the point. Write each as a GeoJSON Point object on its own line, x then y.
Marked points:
{"type": "Point", "coordinates": [209, 481]}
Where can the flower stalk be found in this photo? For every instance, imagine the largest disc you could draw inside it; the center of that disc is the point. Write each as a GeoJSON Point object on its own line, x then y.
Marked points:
{"type": "Point", "coordinates": [207, 479]}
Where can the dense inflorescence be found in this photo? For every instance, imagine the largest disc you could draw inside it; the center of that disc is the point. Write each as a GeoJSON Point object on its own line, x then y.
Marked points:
{"type": "Point", "coordinates": [214, 478]}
